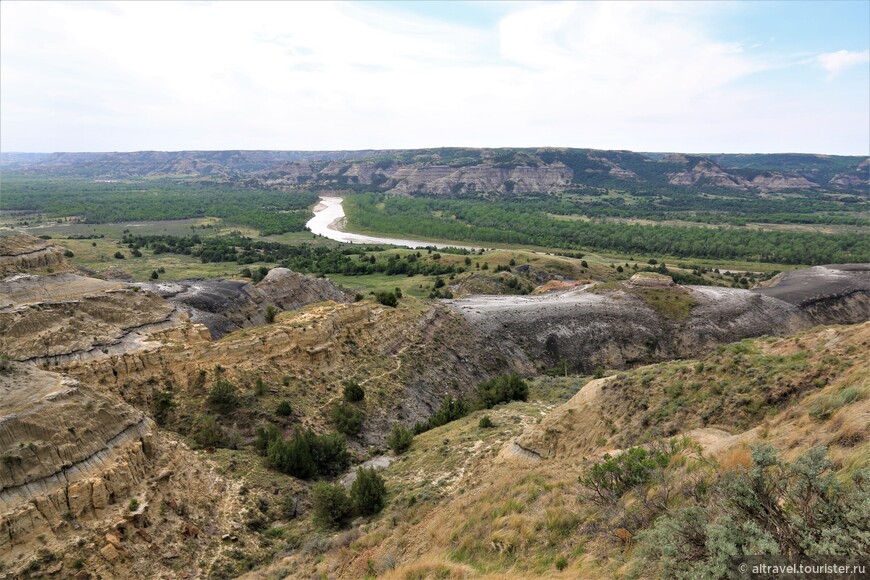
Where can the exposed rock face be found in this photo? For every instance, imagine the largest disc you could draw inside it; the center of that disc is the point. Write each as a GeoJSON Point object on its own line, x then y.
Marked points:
{"type": "Point", "coordinates": [68, 451]}
{"type": "Point", "coordinates": [414, 359]}
{"type": "Point", "coordinates": [464, 170]}
{"type": "Point", "coordinates": [25, 253]}
{"type": "Point", "coordinates": [447, 180]}
{"type": "Point", "coordinates": [651, 280]}
{"type": "Point", "coordinates": [65, 314]}
{"type": "Point", "coordinates": [836, 294]}
{"type": "Point", "coordinates": [227, 305]}
{"type": "Point", "coordinates": [618, 329]}
{"type": "Point", "coordinates": [707, 173]}
{"type": "Point", "coordinates": [289, 290]}
{"type": "Point", "coordinates": [623, 328]}
{"type": "Point", "coordinates": [71, 460]}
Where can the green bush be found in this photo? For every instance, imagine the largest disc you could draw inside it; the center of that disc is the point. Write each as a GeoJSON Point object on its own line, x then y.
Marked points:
{"type": "Point", "coordinates": [400, 439]}
{"type": "Point", "coordinates": [346, 419]}
{"type": "Point", "coordinates": [485, 422]}
{"type": "Point", "coordinates": [501, 390]}
{"type": "Point", "coordinates": [208, 433]}
{"type": "Point", "coordinates": [270, 314]}
{"type": "Point", "coordinates": [5, 362]}
{"type": "Point", "coordinates": [800, 510]}
{"type": "Point", "coordinates": [264, 436]}
{"type": "Point", "coordinates": [332, 506]}
{"type": "Point", "coordinates": [827, 405]}
{"type": "Point", "coordinates": [612, 477]}
{"type": "Point", "coordinates": [223, 397]}
{"type": "Point", "coordinates": [353, 392]}
{"type": "Point", "coordinates": [162, 406]}
{"type": "Point", "coordinates": [306, 455]}
{"type": "Point", "coordinates": [387, 298]}
{"type": "Point", "coordinates": [284, 409]}
{"type": "Point", "coordinates": [451, 409]}
{"type": "Point", "coordinates": [260, 387]}
{"type": "Point", "coordinates": [119, 256]}
{"type": "Point", "coordinates": [368, 493]}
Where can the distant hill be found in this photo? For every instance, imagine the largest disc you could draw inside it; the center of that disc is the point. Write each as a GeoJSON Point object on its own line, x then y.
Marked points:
{"type": "Point", "coordinates": [467, 171]}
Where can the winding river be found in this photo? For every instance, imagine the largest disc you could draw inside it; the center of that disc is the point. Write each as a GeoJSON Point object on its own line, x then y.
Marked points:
{"type": "Point", "coordinates": [329, 217]}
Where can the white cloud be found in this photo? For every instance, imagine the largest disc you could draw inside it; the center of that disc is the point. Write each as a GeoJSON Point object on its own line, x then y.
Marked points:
{"type": "Point", "coordinates": [836, 62]}
{"type": "Point", "coordinates": [329, 75]}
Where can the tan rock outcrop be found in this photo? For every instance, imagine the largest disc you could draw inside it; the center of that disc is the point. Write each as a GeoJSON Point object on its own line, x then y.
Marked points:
{"type": "Point", "coordinates": [24, 253]}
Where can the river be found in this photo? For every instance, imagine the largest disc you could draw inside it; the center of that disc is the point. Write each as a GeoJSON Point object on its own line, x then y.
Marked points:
{"type": "Point", "coordinates": [329, 217]}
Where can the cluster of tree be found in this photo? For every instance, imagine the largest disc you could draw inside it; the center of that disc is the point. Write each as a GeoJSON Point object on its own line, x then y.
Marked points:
{"type": "Point", "coordinates": [334, 507]}
{"type": "Point", "coordinates": [271, 212]}
{"type": "Point", "coordinates": [515, 223]}
{"type": "Point", "coordinates": [305, 455]}
{"type": "Point", "coordinates": [348, 260]}
{"type": "Point", "coordinates": [488, 394]}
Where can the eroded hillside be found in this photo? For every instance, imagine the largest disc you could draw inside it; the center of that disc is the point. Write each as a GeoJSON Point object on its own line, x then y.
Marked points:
{"type": "Point", "coordinates": [510, 500]}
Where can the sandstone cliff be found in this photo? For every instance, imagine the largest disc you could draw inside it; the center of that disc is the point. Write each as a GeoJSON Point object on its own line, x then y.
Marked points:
{"type": "Point", "coordinates": [23, 253]}
{"type": "Point", "coordinates": [89, 488]}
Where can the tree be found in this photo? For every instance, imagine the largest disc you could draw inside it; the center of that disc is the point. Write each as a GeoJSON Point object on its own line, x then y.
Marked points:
{"type": "Point", "coordinates": [284, 409]}
{"type": "Point", "coordinates": [208, 433]}
{"type": "Point", "coordinates": [264, 436]}
{"type": "Point", "coordinates": [270, 314]}
{"type": "Point", "coordinates": [119, 255]}
{"type": "Point", "coordinates": [501, 390]}
{"type": "Point", "coordinates": [332, 506]}
{"type": "Point", "coordinates": [387, 298]}
{"type": "Point", "coordinates": [400, 439]}
{"type": "Point", "coordinates": [154, 275]}
{"type": "Point", "coordinates": [223, 397]}
{"type": "Point", "coordinates": [346, 419]}
{"type": "Point", "coordinates": [353, 392]}
{"type": "Point", "coordinates": [162, 406]}
{"type": "Point", "coordinates": [368, 493]}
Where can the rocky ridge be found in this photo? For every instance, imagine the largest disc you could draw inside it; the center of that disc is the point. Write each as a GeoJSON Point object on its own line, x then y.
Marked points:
{"type": "Point", "coordinates": [26, 253]}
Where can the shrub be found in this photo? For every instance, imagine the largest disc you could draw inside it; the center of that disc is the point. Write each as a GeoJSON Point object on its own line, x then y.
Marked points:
{"type": "Point", "coordinates": [612, 477]}
{"type": "Point", "coordinates": [346, 419]}
{"type": "Point", "coordinates": [208, 433]}
{"type": "Point", "coordinates": [5, 363]}
{"type": "Point", "coordinates": [284, 409]}
{"type": "Point", "coordinates": [162, 406]}
{"type": "Point", "coordinates": [799, 510]}
{"type": "Point", "coordinates": [387, 298]}
{"type": "Point", "coordinates": [306, 454]}
{"type": "Point", "coordinates": [368, 493]}
{"type": "Point", "coordinates": [264, 436]}
{"type": "Point", "coordinates": [223, 397]}
{"type": "Point", "coordinates": [827, 405]}
{"type": "Point", "coordinates": [451, 409]}
{"type": "Point", "coordinates": [154, 275]}
{"type": "Point", "coordinates": [332, 506]}
{"type": "Point", "coordinates": [501, 390]}
{"type": "Point", "coordinates": [485, 422]}
{"type": "Point", "coordinates": [68, 254]}
{"type": "Point", "coordinates": [270, 314]}
{"type": "Point", "coordinates": [400, 439]}
{"type": "Point", "coordinates": [133, 505]}
{"type": "Point", "coordinates": [245, 273]}
{"type": "Point", "coordinates": [561, 562]}
{"type": "Point", "coordinates": [119, 255]}
{"type": "Point", "coordinates": [353, 392]}
{"type": "Point", "coordinates": [260, 388]}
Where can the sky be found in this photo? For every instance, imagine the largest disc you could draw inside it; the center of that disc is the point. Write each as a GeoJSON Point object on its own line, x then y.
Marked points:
{"type": "Point", "coordinates": [695, 77]}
